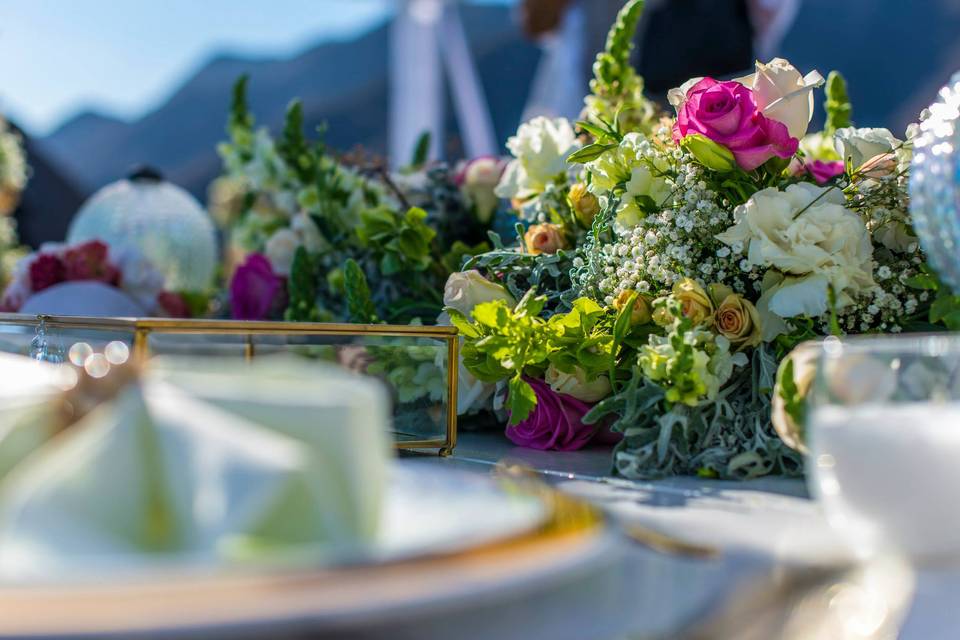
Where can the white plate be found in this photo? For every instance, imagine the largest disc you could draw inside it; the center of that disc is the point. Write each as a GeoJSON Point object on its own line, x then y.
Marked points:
{"type": "Point", "coordinates": [428, 510]}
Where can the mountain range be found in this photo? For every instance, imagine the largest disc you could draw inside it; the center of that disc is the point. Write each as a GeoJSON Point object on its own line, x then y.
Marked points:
{"type": "Point", "coordinates": [895, 55]}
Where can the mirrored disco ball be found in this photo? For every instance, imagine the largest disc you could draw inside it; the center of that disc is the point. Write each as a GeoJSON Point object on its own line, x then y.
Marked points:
{"type": "Point", "coordinates": [164, 222]}
{"type": "Point", "coordinates": [935, 184]}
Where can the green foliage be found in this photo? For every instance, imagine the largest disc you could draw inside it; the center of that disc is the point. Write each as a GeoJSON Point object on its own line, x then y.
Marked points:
{"type": "Point", "coordinates": [590, 152]}
{"type": "Point", "coordinates": [945, 308]}
{"type": "Point", "coordinates": [837, 105]}
{"type": "Point", "coordinates": [293, 146]}
{"type": "Point", "coordinates": [460, 252]}
{"type": "Point", "coordinates": [617, 90]}
{"type": "Point", "coordinates": [421, 152]}
{"type": "Point", "coordinates": [793, 401]}
{"type": "Point", "coordinates": [402, 241]}
{"type": "Point", "coordinates": [503, 343]}
{"type": "Point", "coordinates": [303, 288]}
{"type": "Point", "coordinates": [612, 69]}
{"type": "Point", "coordinates": [581, 338]}
{"type": "Point", "coordinates": [240, 121]}
{"type": "Point", "coordinates": [360, 307]}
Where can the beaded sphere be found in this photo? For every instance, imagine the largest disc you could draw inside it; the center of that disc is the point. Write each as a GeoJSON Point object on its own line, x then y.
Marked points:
{"type": "Point", "coordinates": [159, 219]}
{"type": "Point", "coordinates": [935, 184]}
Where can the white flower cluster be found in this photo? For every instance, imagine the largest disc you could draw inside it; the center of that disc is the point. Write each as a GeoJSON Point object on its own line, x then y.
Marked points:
{"type": "Point", "coordinates": [679, 241]}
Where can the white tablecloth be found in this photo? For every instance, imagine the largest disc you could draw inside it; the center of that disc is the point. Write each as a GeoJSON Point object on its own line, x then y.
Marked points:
{"type": "Point", "coordinates": [765, 529]}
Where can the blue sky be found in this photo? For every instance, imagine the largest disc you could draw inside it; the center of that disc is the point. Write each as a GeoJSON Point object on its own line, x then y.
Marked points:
{"type": "Point", "coordinates": [122, 57]}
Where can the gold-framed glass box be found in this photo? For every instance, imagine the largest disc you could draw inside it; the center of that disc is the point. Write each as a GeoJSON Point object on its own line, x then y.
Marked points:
{"type": "Point", "coordinates": [418, 363]}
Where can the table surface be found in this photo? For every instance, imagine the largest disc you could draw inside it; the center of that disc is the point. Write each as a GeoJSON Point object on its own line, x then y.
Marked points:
{"type": "Point", "coordinates": [764, 529]}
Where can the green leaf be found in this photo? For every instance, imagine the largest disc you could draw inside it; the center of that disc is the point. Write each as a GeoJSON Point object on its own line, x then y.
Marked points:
{"type": "Point", "coordinates": [521, 399]}
{"type": "Point", "coordinates": [462, 323]}
{"type": "Point", "coordinates": [600, 133]}
{"type": "Point", "coordinates": [390, 264]}
{"type": "Point", "coordinates": [923, 281]}
{"type": "Point", "coordinates": [360, 307]}
{"type": "Point", "coordinates": [421, 151]}
{"type": "Point", "coordinates": [491, 314]}
{"type": "Point", "coordinates": [240, 117]}
{"type": "Point", "coordinates": [589, 153]}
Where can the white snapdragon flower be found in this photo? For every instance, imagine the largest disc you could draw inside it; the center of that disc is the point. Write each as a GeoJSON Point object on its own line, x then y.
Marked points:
{"type": "Point", "coordinates": [540, 149]}
{"type": "Point", "coordinates": [807, 234]}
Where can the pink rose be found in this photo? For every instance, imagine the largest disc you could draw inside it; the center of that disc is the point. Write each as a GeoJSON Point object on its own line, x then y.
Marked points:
{"type": "Point", "coordinates": [727, 113]}
{"type": "Point", "coordinates": [556, 422]}
{"type": "Point", "coordinates": [255, 288]}
{"type": "Point", "coordinates": [89, 261]}
{"type": "Point", "coordinates": [823, 170]}
{"type": "Point", "coordinates": [46, 270]}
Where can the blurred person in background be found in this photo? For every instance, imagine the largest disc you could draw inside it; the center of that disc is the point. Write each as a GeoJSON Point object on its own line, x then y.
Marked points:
{"type": "Point", "coordinates": [720, 38]}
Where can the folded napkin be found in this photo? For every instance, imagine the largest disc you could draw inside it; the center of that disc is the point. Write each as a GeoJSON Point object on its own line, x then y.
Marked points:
{"type": "Point", "coordinates": [204, 461]}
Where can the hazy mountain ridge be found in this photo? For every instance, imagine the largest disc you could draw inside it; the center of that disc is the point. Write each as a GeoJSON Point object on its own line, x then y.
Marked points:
{"type": "Point", "coordinates": [341, 83]}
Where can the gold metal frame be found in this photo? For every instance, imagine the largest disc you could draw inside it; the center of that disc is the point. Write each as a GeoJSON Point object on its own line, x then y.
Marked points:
{"type": "Point", "coordinates": [142, 328]}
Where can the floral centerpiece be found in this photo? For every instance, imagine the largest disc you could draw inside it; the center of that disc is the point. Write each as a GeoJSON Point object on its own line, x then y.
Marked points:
{"type": "Point", "coordinates": [669, 263]}
{"type": "Point", "coordinates": [313, 238]}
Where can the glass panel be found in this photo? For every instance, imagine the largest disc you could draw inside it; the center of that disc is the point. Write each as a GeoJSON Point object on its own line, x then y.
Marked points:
{"type": "Point", "coordinates": [414, 368]}
{"type": "Point", "coordinates": [17, 339]}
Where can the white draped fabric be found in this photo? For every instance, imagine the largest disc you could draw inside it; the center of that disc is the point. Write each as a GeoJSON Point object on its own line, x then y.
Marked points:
{"type": "Point", "coordinates": [428, 49]}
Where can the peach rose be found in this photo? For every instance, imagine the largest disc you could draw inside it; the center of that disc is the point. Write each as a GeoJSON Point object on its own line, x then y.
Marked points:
{"type": "Point", "coordinates": [544, 238]}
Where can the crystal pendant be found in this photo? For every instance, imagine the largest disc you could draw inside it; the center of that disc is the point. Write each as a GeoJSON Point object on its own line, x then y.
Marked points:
{"type": "Point", "coordinates": [46, 348]}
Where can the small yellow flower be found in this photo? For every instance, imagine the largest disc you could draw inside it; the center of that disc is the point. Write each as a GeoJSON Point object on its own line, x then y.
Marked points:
{"type": "Point", "coordinates": [584, 204]}
{"type": "Point", "coordinates": [641, 313]}
{"type": "Point", "coordinates": [694, 301]}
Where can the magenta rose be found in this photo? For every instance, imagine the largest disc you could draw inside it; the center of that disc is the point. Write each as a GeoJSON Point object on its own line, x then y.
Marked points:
{"type": "Point", "coordinates": [556, 422]}
{"type": "Point", "coordinates": [254, 289]}
{"type": "Point", "coordinates": [823, 171]}
{"type": "Point", "coordinates": [726, 112]}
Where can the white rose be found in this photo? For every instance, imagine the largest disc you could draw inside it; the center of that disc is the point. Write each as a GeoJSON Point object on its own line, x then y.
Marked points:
{"type": "Point", "coordinates": [280, 249]}
{"type": "Point", "coordinates": [466, 289]}
{"type": "Point", "coordinates": [575, 384]}
{"type": "Point", "coordinates": [540, 149]}
{"type": "Point", "coordinates": [856, 146]}
{"type": "Point", "coordinates": [782, 94]}
{"type": "Point", "coordinates": [480, 178]}
{"type": "Point", "coordinates": [826, 241]}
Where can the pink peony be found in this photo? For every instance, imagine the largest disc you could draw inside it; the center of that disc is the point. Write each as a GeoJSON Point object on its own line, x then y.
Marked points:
{"type": "Point", "coordinates": [90, 261]}
{"type": "Point", "coordinates": [46, 270]}
{"type": "Point", "coordinates": [254, 289]}
{"type": "Point", "coordinates": [823, 170]}
{"type": "Point", "coordinates": [727, 113]}
{"type": "Point", "coordinates": [555, 423]}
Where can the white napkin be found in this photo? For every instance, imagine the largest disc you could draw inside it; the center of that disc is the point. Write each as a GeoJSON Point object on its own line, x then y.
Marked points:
{"type": "Point", "coordinates": [207, 462]}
